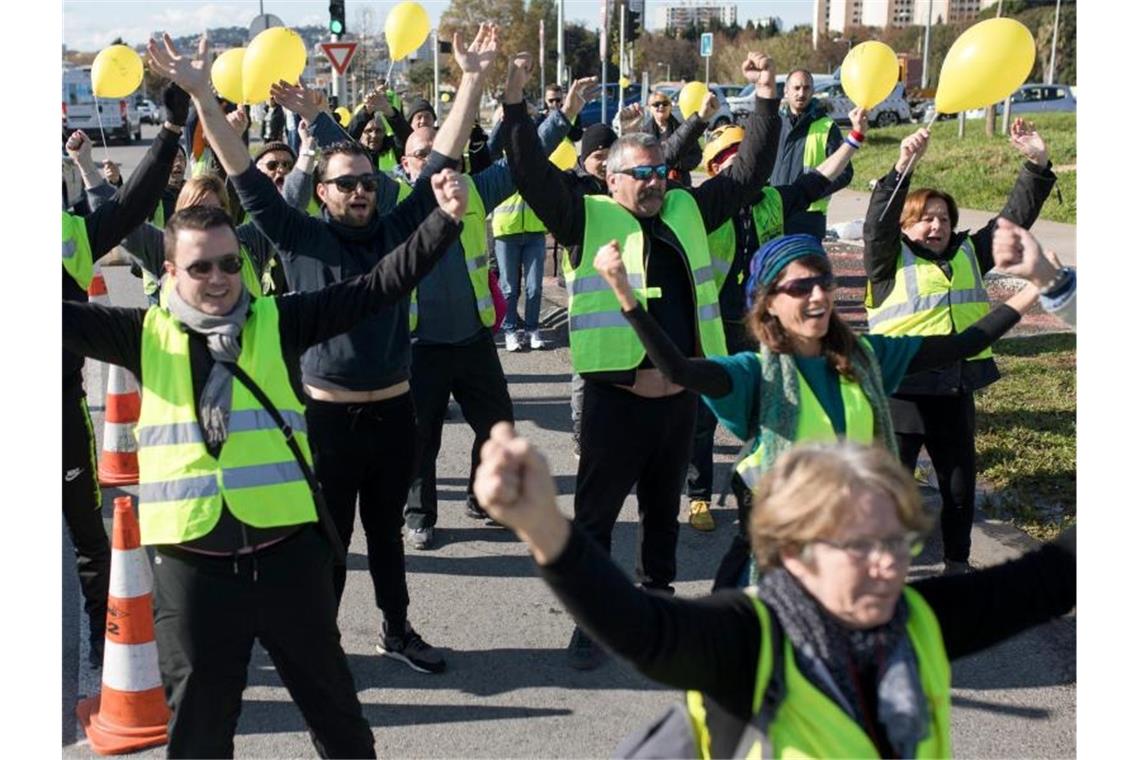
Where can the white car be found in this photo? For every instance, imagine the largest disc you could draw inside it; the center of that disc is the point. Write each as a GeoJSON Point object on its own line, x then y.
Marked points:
{"type": "Point", "coordinates": [893, 110]}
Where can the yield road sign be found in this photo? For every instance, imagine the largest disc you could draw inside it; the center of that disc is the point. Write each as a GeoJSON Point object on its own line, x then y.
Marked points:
{"type": "Point", "coordinates": [706, 44]}
{"type": "Point", "coordinates": [339, 54]}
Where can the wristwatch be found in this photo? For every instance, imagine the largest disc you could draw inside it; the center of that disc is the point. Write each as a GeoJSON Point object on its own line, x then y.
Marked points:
{"type": "Point", "coordinates": [308, 153]}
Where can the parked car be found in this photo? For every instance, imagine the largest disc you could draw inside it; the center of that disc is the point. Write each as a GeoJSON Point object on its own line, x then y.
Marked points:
{"type": "Point", "coordinates": [592, 112]}
{"type": "Point", "coordinates": [893, 110]}
{"type": "Point", "coordinates": [1034, 98]}
{"type": "Point", "coordinates": [148, 112]}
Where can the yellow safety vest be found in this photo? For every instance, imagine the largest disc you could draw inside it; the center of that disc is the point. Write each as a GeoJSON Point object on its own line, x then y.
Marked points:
{"type": "Point", "coordinates": [924, 301]}
{"type": "Point", "coordinates": [808, 724]}
{"type": "Point", "coordinates": [77, 259]}
{"type": "Point", "coordinates": [813, 424]}
{"type": "Point", "coordinates": [767, 216]}
{"type": "Point", "coordinates": [815, 153]}
{"type": "Point", "coordinates": [473, 239]}
{"type": "Point", "coordinates": [514, 216]}
{"type": "Point", "coordinates": [601, 339]}
{"type": "Point", "coordinates": [181, 486]}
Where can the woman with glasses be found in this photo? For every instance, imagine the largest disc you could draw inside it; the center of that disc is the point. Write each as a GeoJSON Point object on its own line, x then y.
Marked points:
{"type": "Point", "coordinates": [813, 378]}
{"type": "Point", "coordinates": [831, 654]}
{"type": "Point", "coordinates": [661, 123]}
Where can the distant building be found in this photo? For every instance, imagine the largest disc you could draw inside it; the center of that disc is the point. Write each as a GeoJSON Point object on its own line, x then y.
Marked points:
{"type": "Point", "coordinates": [838, 15]}
{"type": "Point", "coordinates": [672, 17]}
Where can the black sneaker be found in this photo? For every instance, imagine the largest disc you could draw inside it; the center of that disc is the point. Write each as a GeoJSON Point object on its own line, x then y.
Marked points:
{"type": "Point", "coordinates": [475, 512]}
{"type": "Point", "coordinates": [411, 650]}
{"type": "Point", "coordinates": [583, 653]}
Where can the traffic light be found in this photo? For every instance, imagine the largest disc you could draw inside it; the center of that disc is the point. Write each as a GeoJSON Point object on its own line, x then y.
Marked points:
{"type": "Point", "coordinates": [336, 16]}
{"type": "Point", "coordinates": [632, 24]}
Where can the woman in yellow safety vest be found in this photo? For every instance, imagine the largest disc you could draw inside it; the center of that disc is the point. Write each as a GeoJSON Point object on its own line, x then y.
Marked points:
{"type": "Point", "coordinates": [924, 277]}
{"type": "Point", "coordinates": [831, 654]}
{"type": "Point", "coordinates": [813, 378]}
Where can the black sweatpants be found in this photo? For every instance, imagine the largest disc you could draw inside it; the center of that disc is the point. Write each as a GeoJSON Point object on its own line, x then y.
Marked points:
{"type": "Point", "coordinates": [81, 511]}
{"type": "Point", "coordinates": [950, 422]}
{"type": "Point", "coordinates": [209, 610]}
{"type": "Point", "coordinates": [473, 374]}
{"type": "Point", "coordinates": [365, 452]}
{"type": "Point", "coordinates": [627, 440]}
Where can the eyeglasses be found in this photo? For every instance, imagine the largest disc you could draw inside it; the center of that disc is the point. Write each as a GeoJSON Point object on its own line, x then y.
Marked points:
{"type": "Point", "coordinates": [202, 268]}
{"type": "Point", "coordinates": [661, 104]}
{"type": "Point", "coordinates": [284, 164]}
{"type": "Point", "coordinates": [642, 173]}
{"type": "Point", "coordinates": [803, 286]}
{"type": "Point", "coordinates": [908, 544]}
{"type": "Point", "coordinates": [349, 182]}
{"type": "Point", "coordinates": [554, 101]}
{"type": "Point", "coordinates": [421, 154]}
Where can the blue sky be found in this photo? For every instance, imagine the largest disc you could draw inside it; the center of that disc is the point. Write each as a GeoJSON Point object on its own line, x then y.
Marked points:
{"type": "Point", "coordinates": [92, 24]}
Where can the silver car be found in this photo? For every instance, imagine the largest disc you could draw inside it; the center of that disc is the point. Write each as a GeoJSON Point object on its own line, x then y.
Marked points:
{"type": "Point", "coordinates": [893, 110]}
{"type": "Point", "coordinates": [1035, 98]}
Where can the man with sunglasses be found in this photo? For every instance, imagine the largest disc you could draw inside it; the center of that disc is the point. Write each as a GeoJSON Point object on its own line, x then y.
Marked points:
{"type": "Point", "coordinates": [661, 123]}
{"type": "Point", "coordinates": [637, 427]}
{"type": "Point", "coordinates": [223, 496]}
{"type": "Point", "coordinates": [360, 413]}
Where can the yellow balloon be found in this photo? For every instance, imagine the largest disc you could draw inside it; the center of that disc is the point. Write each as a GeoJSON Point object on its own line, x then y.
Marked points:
{"type": "Point", "coordinates": [985, 64]}
{"type": "Point", "coordinates": [116, 72]}
{"type": "Point", "coordinates": [870, 71]}
{"type": "Point", "coordinates": [406, 28]}
{"type": "Point", "coordinates": [226, 75]}
{"type": "Point", "coordinates": [624, 82]}
{"type": "Point", "coordinates": [275, 54]}
{"type": "Point", "coordinates": [343, 115]}
{"type": "Point", "coordinates": [691, 97]}
{"type": "Point", "coordinates": [564, 156]}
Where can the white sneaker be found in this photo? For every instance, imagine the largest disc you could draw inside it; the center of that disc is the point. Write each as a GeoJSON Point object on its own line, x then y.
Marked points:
{"type": "Point", "coordinates": [536, 342]}
{"type": "Point", "coordinates": [512, 341]}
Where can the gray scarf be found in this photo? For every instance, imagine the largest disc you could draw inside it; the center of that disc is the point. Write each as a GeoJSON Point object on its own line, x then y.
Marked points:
{"type": "Point", "coordinates": [223, 338]}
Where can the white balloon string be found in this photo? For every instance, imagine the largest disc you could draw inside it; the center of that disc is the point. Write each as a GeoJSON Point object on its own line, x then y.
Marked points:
{"type": "Point", "coordinates": [905, 171]}
{"type": "Point", "coordinates": [388, 77]}
{"type": "Point", "coordinates": [102, 134]}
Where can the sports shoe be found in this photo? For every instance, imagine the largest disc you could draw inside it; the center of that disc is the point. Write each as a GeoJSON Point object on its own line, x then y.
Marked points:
{"type": "Point", "coordinates": [475, 512]}
{"type": "Point", "coordinates": [511, 338]}
{"type": "Point", "coordinates": [421, 538]}
{"type": "Point", "coordinates": [583, 653]}
{"type": "Point", "coordinates": [954, 567]}
{"type": "Point", "coordinates": [411, 650]}
{"type": "Point", "coordinates": [536, 341]}
{"type": "Point", "coordinates": [700, 517]}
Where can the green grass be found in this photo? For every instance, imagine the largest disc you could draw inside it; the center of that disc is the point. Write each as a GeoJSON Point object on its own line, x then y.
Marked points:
{"type": "Point", "coordinates": [978, 171]}
{"type": "Point", "coordinates": [1026, 439]}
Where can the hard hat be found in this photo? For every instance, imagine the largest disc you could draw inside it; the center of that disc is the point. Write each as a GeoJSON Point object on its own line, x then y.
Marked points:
{"type": "Point", "coordinates": [723, 138]}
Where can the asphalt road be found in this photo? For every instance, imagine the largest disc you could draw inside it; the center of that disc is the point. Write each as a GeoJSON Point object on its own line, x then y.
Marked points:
{"type": "Point", "coordinates": [507, 692]}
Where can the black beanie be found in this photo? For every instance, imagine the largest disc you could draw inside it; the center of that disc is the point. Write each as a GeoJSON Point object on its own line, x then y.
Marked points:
{"type": "Point", "coordinates": [420, 105]}
{"type": "Point", "coordinates": [597, 137]}
{"type": "Point", "coordinates": [269, 147]}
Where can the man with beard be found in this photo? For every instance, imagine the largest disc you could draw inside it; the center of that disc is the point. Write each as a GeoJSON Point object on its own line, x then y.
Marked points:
{"type": "Point", "coordinates": [637, 428]}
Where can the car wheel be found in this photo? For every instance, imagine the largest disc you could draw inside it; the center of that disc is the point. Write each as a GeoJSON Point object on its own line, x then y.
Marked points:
{"type": "Point", "coordinates": [887, 119]}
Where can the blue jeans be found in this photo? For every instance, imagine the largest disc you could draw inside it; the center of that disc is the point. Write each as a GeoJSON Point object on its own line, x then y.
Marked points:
{"type": "Point", "coordinates": [526, 250]}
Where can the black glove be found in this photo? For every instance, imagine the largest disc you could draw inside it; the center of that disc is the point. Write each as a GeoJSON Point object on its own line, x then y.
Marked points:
{"type": "Point", "coordinates": [177, 104]}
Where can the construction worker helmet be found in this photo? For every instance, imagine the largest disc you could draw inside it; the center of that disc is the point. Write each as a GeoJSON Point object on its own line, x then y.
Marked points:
{"type": "Point", "coordinates": [719, 141]}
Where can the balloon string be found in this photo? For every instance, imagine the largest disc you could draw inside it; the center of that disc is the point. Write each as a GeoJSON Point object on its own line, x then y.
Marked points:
{"type": "Point", "coordinates": [388, 78]}
{"type": "Point", "coordinates": [102, 134]}
{"type": "Point", "coordinates": [906, 170]}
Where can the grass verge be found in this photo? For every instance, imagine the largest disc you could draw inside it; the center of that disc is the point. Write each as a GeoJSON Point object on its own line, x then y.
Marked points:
{"type": "Point", "coordinates": [978, 171]}
{"type": "Point", "coordinates": [1026, 439]}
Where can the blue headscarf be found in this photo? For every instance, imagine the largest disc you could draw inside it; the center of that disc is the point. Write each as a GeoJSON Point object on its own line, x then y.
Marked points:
{"type": "Point", "coordinates": [771, 258]}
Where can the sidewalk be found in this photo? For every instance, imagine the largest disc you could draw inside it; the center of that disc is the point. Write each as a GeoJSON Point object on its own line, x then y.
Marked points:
{"type": "Point", "coordinates": [847, 205]}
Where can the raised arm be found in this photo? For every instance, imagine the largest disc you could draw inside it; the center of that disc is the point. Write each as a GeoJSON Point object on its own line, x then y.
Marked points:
{"type": "Point", "coordinates": [881, 237]}
{"type": "Point", "coordinates": [685, 139]}
{"type": "Point", "coordinates": [1018, 253]}
{"type": "Point", "coordinates": [474, 61]}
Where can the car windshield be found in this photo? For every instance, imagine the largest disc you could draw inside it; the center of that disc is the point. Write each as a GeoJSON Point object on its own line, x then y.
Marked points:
{"type": "Point", "coordinates": [748, 90]}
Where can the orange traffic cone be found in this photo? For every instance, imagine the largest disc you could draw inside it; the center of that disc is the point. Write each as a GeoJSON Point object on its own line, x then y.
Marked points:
{"type": "Point", "coordinates": [97, 289]}
{"type": "Point", "coordinates": [119, 462]}
{"type": "Point", "coordinates": [130, 711]}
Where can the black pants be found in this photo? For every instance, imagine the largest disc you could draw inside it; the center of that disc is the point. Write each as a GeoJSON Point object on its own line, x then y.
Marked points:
{"type": "Point", "coordinates": [81, 512]}
{"type": "Point", "coordinates": [730, 572]}
{"type": "Point", "coordinates": [208, 613]}
{"type": "Point", "coordinates": [949, 422]}
{"type": "Point", "coordinates": [473, 374]}
{"type": "Point", "coordinates": [700, 481]}
{"type": "Point", "coordinates": [365, 452]}
{"type": "Point", "coordinates": [627, 440]}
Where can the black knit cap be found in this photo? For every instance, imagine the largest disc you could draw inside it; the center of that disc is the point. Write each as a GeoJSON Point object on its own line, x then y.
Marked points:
{"type": "Point", "coordinates": [420, 105]}
{"type": "Point", "coordinates": [597, 137]}
{"type": "Point", "coordinates": [269, 147]}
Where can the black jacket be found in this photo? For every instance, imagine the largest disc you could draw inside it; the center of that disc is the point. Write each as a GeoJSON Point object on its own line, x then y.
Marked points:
{"type": "Point", "coordinates": [684, 161]}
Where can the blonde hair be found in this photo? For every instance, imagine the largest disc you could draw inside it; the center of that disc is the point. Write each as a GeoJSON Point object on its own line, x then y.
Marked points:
{"type": "Point", "coordinates": [195, 190]}
{"type": "Point", "coordinates": [805, 495]}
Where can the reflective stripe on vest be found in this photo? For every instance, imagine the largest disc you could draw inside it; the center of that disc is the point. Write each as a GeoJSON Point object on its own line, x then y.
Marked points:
{"type": "Point", "coordinates": [473, 240]}
{"type": "Point", "coordinates": [250, 278]}
{"type": "Point", "coordinates": [805, 722]}
{"type": "Point", "coordinates": [815, 153]}
{"type": "Point", "coordinates": [600, 337]}
{"type": "Point", "coordinates": [813, 424]}
{"type": "Point", "coordinates": [924, 302]}
{"type": "Point", "coordinates": [513, 216]}
{"type": "Point", "coordinates": [77, 260]}
{"type": "Point", "coordinates": [768, 218]}
{"type": "Point", "coordinates": [181, 486]}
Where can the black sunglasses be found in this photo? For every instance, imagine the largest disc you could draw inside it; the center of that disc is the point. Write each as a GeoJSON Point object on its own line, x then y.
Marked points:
{"type": "Point", "coordinates": [661, 104]}
{"type": "Point", "coordinates": [803, 286]}
{"type": "Point", "coordinates": [202, 268]}
{"type": "Point", "coordinates": [348, 182]}
{"type": "Point", "coordinates": [643, 173]}
{"type": "Point", "coordinates": [285, 165]}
